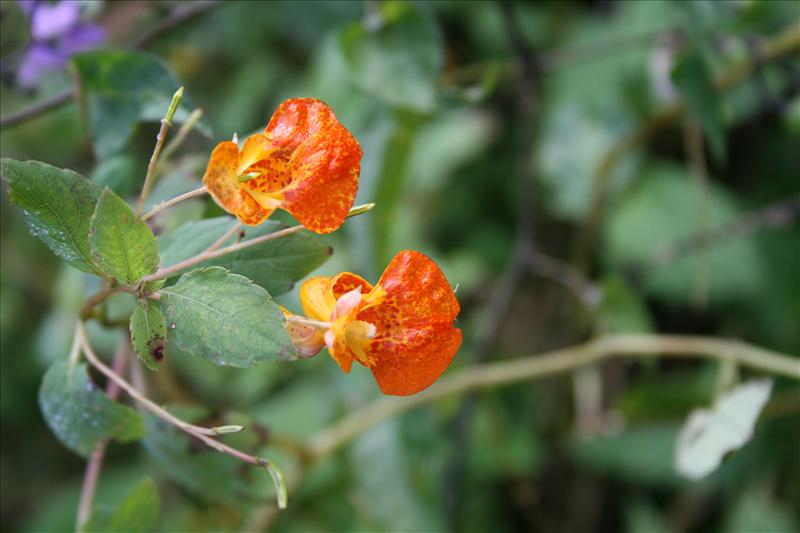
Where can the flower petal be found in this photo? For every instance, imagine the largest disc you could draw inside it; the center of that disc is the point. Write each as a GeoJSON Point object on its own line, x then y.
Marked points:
{"type": "Point", "coordinates": [307, 340]}
{"type": "Point", "coordinates": [411, 363]}
{"type": "Point", "coordinates": [346, 282]}
{"type": "Point", "coordinates": [324, 170]}
{"type": "Point", "coordinates": [221, 181]}
{"type": "Point", "coordinates": [255, 148]}
{"type": "Point", "coordinates": [415, 340]}
{"type": "Point", "coordinates": [317, 299]}
{"type": "Point", "coordinates": [296, 120]}
{"type": "Point", "coordinates": [340, 352]}
{"type": "Point", "coordinates": [418, 289]}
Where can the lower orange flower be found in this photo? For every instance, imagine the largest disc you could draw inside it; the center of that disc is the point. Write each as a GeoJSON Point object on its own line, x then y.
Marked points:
{"type": "Point", "coordinates": [305, 162]}
{"type": "Point", "coordinates": [401, 328]}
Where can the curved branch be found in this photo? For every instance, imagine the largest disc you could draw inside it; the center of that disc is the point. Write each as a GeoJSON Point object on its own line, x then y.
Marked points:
{"type": "Point", "coordinates": [39, 108]}
{"type": "Point", "coordinates": [546, 364]}
{"type": "Point", "coordinates": [553, 363]}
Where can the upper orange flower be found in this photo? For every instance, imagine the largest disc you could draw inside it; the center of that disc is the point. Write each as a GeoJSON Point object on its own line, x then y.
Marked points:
{"type": "Point", "coordinates": [401, 329]}
{"type": "Point", "coordinates": [305, 162]}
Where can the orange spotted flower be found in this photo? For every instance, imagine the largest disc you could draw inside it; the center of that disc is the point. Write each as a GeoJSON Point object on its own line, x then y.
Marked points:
{"type": "Point", "coordinates": [304, 162]}
{"type": "Point", "coordinates": [401, 328]}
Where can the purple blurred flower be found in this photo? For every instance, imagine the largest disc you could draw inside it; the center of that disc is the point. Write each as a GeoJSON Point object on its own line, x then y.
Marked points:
{"type": "Point", "coordinates": [57, 32]}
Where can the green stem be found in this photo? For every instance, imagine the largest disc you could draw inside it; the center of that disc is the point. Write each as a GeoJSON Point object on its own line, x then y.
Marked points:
{"type": "Point", "coordinates": [172, 201]}
{"type": "Point", "coordinates": [177, 141]}
{"type": "Point", "coordinates": [203, 434]}
{"type": "Point", "coordinates": [554, 363]}
{"type": "Point", "coordinates": [166, 123]}
{"type": "Point", "coordinates": [166, 272]}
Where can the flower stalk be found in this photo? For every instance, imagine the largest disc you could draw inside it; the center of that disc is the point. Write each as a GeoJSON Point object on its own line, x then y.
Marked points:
{"type": "Point", "coordinates": [166, 124]}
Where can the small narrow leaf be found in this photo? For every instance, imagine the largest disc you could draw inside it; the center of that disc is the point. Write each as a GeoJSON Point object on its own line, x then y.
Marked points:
{"type": "Point", "coordinates": [281, 491]}
{"type": "Point", "coordinates": [226, 318]}
{"type": "Point", "coordinates": [224, 430]}
{"type": "Point", "coordinates": [80, 414]}
{"type": "Point", "coordinates": [149, 333]}
{"type": "Point", "coordinates": [137, 513]}
{"type": "Point", "coordinates": [58, 205]}
{"type": "Point", "coordinates": [709, 434]}
{"type": "Point", "coordinates": [121, 244]}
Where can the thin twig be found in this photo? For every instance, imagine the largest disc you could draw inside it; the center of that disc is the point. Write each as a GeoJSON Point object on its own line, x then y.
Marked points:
{"type": "Point", "coordinates": [39, 108]}
{"type": "Point", "coordinates": [227, 235]}
{"type": "Point", "coordinates": [200, 433]}
{"type": "Point", "coordinates": [99, 297]}
{"type": "Point", "coordinates": [166, 124]}
{"type": "Point", "coordinates": [503, 295]}
{"type": "Point", "coordinates": [564, 57]}
{"type": "Point", "coordinates": [172, 201]}
{"type": "Point", "coordinates": [776, 215]}
{"type": "Point", "coordinates": [92, 358]}
{"type": "Point", "coordinates": [184, 130]}
{"type": "Point", "coordinates": [182, 13]}
{"type": "Point", "coordinates": [693, 145]}
{"type": "Point", "coordinates": [95, 464]}
{"type": "Point", "coordinates": [75, 350]}
{"type": "Point", "coordinates": [533, 367]}
{"type": "Point", "coordinates": [166, 272]}
{"type": "Point", "coordinates": [553, 363]}
{"type": "Point", "coordinates": [566, 275]}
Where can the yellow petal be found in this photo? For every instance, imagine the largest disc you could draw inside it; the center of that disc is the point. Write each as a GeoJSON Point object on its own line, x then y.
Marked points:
{"type": "Point", "coordinates": [317, 298]}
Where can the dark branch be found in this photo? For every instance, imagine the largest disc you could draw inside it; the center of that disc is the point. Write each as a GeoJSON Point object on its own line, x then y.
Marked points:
{"type": "Point", "coordinates": [39, 108]}
{"type": "Point", "coordinates": [178, 16]}
{"type": "Point", "coordinates": [774, 216]}
{"type": "Point", "coordinates": [503, 294]}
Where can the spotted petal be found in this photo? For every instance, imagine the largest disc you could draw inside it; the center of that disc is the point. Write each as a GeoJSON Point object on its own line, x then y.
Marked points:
{"type": "Point", "coordinates": [296, 120]}
{"type": "Point", "coordinates": [223, 185]}
{"type": "Point", "coordinates": [415, 340]}
{"type": "Point", "coordinates": [324, 171]}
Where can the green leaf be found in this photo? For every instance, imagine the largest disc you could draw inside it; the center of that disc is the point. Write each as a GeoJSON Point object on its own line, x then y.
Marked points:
{"type": "Point", "coordinates": [709, 434]}
{"type": "Point", "coordinates": [149, 333]}
{"type": "Point", "coordinates": [58, 205]}
{"type": "Point", "coordinates": [693, 78]}
{"type": "Point", "coordinates": [567, 174]}
{"type": "Point", "coordinates": [621, 309]}
{"type": "Point", "coordinates": [120, 173]}
{"type": "Point", "coordinates": [80, 414]}
{"type": "Point", "coordinates": [757, 509]}
{"type": "Point", "coordinates": [396, 55]}
{"type": "Point", "coordinates": [662, 210]}
{"type": "Point", "coordinates": [226, 318]}
{"type": "Point", "coordinates": [275, 265]}
{"type": "Point", "coordinates": [137, 513]}
{"type": "Point", "coordinates": [119, 89]}
{"type": "Point", "coordinates": [122, 244]}
{"type": "Point", "coordinates": [377, 455]}
{"type": "Point", "coordinates": [641, 454]}
{"type": "Point", "coordinates": [393, 174]}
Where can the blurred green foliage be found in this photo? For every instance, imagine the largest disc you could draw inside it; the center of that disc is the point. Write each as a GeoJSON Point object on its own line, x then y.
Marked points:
{"type": "Point", "coordinates": [429, 90]}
